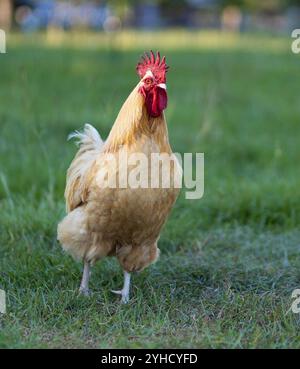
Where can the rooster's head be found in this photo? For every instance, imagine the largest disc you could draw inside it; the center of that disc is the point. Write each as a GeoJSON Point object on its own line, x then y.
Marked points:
{"type": "Point", "coordinates": [152, 71]}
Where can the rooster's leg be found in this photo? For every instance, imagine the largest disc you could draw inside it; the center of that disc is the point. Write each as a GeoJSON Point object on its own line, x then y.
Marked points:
{"type": "Point", "coordinates": [84, 285]}
{"type": "Point", "coordinates": [125, 290]}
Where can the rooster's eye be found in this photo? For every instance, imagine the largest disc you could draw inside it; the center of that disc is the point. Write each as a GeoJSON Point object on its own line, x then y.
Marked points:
{"type": "Point", "coordinates": [148, 81]}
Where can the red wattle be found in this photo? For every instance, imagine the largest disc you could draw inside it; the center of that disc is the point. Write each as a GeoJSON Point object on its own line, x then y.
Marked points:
{"type": "Point", "coordinates": [156, 101]}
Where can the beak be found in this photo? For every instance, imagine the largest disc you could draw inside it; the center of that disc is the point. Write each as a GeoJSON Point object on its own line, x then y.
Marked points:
{"type": "Point", "coordinates": [162, 85]}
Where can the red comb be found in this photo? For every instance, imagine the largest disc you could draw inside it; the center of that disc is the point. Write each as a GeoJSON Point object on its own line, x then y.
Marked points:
{"type": "Point", "coordinates": [157, 66]}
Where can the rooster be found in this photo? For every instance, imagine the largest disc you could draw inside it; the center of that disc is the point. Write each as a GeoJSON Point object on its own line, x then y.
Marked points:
{"type": "Point", "coordinates": [121, 221]}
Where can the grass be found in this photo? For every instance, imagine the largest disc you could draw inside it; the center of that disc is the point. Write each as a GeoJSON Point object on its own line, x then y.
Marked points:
{"type": "Point", "coordinates": [229, 262]}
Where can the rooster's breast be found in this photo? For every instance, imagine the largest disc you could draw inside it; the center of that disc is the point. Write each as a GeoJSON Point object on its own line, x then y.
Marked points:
{"type": "Point", "coordinates": [131, 215]}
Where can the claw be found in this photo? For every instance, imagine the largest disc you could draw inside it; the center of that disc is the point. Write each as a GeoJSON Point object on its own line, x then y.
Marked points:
{"type": "Point", "coordinates": [125, 299]}
{"type": "Point", "coordinates": [125, 296]}
{"type": "Point", "coordinates": [119, 292]}
{"type": "Point", "coordinates": [84, 291]}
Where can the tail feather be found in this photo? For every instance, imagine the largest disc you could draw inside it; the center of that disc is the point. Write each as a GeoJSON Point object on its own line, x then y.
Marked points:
{"type": "Point", "coordinates": [79, 172]}
{"type": "Point", "coordinates": [89, 139]}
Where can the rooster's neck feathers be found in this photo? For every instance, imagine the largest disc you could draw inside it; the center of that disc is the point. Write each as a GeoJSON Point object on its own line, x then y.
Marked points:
{"type": "Point", "coordinates": [133, 122]}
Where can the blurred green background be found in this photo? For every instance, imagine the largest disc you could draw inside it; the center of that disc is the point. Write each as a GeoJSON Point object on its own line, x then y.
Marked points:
{"type": "Point", "coordinates": [229, 262]}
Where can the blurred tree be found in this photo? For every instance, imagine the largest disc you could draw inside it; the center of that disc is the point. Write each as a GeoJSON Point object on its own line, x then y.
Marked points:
{"type": "Point", "coordinates": [262, 5]}
{"type": "Point", "coordinates": [178, 10]}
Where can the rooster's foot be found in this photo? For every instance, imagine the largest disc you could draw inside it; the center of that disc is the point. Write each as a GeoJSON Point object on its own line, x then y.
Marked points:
{"type": "Point", "coordinates": [125, 290]}
{"type": "Point", "coordinates": [84, 292]}
{"type": "Point", "coordinates": [84, 285]}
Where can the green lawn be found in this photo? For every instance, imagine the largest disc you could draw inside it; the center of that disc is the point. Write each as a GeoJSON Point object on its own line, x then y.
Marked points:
{"type": "Point", "coordinates": [229, 261]}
